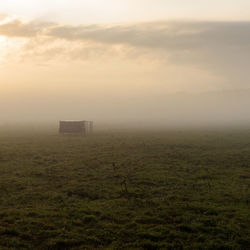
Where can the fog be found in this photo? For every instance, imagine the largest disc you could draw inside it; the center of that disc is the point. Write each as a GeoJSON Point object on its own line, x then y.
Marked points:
{"type": "Point", "coordinates": [177, 109]}
{"type": "Point", "coordinates": [132, 74]}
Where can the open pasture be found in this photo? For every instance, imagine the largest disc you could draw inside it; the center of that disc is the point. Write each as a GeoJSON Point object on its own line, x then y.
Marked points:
{"type": "Point", "coordinates": [175, 189]}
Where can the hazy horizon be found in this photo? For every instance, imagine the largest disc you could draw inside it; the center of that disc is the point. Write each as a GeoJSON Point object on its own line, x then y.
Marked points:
{"type": "Point", "coordinates": [142, 62]}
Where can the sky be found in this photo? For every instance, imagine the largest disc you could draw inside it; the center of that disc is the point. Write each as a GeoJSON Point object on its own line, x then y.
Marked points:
{"type": "Point", "coordinates": [134, 60]}
{"type": "Point", "coordinates": [110, 11]}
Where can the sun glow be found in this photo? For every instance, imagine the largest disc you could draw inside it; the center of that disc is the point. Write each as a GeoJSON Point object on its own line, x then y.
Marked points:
{"type": "Point", "coordinates": [6, 44]}
{"type": "Point", "coordinates": [11, 49]}
{"type": "Point", "coordinates": [3, 44]}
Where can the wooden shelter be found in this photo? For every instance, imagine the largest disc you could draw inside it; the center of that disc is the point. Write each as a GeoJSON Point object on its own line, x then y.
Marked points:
{"type": "Point", "coordinates": [76, 127]}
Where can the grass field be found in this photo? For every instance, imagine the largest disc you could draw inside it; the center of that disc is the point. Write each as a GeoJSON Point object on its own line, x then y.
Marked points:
{"type": "Point", "coordinates": [176, 189]}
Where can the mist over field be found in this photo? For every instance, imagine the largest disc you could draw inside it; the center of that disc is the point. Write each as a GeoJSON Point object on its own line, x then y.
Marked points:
{"type": "Point", "coordinates": [155, 73]}
{"type": "Point", "coordinates": [221, 108]}
{"type": "Point", "coordinates": [124, 124]}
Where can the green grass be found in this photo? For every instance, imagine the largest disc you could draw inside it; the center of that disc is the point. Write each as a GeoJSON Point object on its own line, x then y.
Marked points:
{"type": "Point", "coordinates": [125, 190]}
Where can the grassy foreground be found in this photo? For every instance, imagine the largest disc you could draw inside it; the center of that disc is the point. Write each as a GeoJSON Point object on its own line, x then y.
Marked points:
{"type": "Point", "coordinates": [125, 190]}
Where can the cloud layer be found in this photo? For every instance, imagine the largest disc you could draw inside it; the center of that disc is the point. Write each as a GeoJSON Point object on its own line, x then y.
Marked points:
{"type": "Point", "coordinates": [220, 47]}
{"type": "Point", "coordinates": [123, 72]}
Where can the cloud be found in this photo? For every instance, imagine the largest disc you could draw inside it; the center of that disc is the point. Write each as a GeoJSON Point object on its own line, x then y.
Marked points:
{"type": "Point", "coordinates": [220, 47]}
{"type": "Point", "coordinates": [18, 28]}
{"type": "Point", "coordinates": [162, 35]}
{"type": "Point", "coordinates": [155, 35]}
{"type": "Point", "coordinates": [223, 47]}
